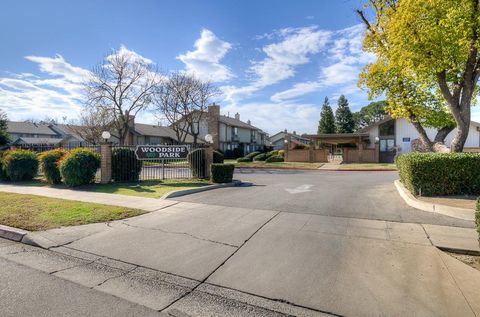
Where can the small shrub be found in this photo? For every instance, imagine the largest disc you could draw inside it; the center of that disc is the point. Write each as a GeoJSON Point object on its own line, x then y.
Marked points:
{"type": "Point", "coordinates": [281, 153]}
{"type": "Point", "coordinates": [274, 159]}
{"type": "Point", "coordinates": [244, 159]}
{"type": "Point", "coordinates": [260, 157]}
{"type": "Point", "coordinates": [222, 173]}
{"type": "Point", "coordinates": [79, 166]}
{"type": "Point", "coordinates": [196, 160]}
{"type": "Point", "coordinates": [125, 165]}
{"type": "Point", "coordinates": [438, 174]}
{"type": "Point", "coordinates": [272, 153]}
{"type": "Point", "coordinates": [252, 155]}
{"type": "Point", "coordinates": [49, 161]}
{"type": "Point", "coordinates": [218, 157]}
{"type": "Point", "coordinates": [20, 165]}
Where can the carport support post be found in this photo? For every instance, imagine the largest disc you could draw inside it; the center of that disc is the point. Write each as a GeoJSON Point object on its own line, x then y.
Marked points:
{"type": "Point", "coordinates": [106, 163]}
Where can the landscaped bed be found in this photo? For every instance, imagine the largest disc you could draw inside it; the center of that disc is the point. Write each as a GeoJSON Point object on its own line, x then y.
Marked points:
{"type": "Point", "coordinates": [367, 166]}
{"type": "Point", "coordinates": [33, 213]}
{"type": "Point", "coordinates": [262, 164]}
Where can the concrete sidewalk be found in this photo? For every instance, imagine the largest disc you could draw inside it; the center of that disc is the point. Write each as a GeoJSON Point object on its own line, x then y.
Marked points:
{"type": "Point", "coordinates": [198, 259]}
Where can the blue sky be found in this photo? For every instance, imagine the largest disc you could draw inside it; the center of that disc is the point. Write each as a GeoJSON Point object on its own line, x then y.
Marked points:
{"type": "Point", "coordinates": [274, 61]}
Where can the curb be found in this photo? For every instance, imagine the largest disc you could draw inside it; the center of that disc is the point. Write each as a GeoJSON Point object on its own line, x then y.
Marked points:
{"type": "Point", "coordinates": [358, 170]}
{"type": "Point", "coordinates": [11, 233]}
{"type": "Point", "coordinates": [412, 201]}
{"type": "Point", "coordinates": [183, 192]}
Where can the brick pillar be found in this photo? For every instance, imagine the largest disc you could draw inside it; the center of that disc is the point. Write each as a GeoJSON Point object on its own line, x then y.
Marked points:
{"type": "Point", "coordinates": [213, 117]}
{"type": "Point", "coordinates": [208, 160]}
{"type": "Point", "coordinates": [106, 163]}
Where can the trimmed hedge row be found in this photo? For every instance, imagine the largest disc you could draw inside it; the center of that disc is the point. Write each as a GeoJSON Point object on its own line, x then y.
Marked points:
{"type": "Point", "coordinates": [274, 159]}
{"type": "Point", "coordinates": [222, 173]}
{"type": "Point", "coordinates": [438, 174]}
{"type": "Point", "coordinates": [477, 217]}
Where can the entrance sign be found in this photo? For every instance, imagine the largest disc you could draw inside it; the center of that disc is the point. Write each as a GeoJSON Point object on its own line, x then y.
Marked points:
{"type": "Point", "coordinates": [161, 152]}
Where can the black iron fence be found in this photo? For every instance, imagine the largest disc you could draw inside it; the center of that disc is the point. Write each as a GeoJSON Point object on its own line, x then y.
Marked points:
{"type": "Point", "coordinates": [162, 162]}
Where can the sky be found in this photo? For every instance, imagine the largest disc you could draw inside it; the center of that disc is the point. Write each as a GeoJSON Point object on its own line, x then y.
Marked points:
{"type": "Point", "coordinates": [273, 61]}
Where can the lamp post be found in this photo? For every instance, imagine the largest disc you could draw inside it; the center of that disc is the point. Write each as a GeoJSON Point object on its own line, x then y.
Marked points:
{"type": "Point", "coordinates": [106, 136]}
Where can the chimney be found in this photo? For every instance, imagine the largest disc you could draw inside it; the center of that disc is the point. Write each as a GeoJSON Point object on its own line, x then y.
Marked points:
{"type": "Point", "coordinates": [294, 132]}
{"type": "Point", "coordinates": [237, 116]}
{"type": "Point", "coordinates": [249, 122]}
{"type": "Point", "coordinates": [285, 131]}
{"type": "Point", "coordinates": [213, 116]}
{"type": "Point", "coordinates": [131, 122]}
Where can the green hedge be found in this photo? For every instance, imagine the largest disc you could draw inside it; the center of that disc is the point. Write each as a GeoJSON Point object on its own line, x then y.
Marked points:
{"type": "Point", "coordinates": [218, 157]}
{"type": "Point", "coordinates": [222, 173]}
{"type": "Point", "coordinates": [438, 174]}
{"type": "Point", "coordinates": [244, 159]}
{"type": "Point", "coordinates": [49, 161]}
{"type": "Point", "coordinates": [79, 166]}
{"type": "Point", "coordinates": [196, 160]}
{"type": "Point", "coordinates": [125, 165]}
{"type": "Point", "coordinates": [274, 159]}
{"type": "Point", "coordinates": [477, 217]}
{"type": "Point", "coordinates": [3, 175]}
{"type": "Point", "coordinates": [260, 157]}
{"type": "Point", "coordinates": [252, 155]}
{"type": "Point", "coordinates": [20, 165]}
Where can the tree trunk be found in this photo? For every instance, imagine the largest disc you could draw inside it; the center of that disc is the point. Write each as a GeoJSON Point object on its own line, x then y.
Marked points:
{"type": "Point", "coordinates": [423, 135]}
{"type": "Point", "coordinates": [460, 138]}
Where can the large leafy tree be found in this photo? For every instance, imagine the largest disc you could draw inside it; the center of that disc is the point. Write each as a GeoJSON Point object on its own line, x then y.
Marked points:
{"type": "Point", "coordinates": [326, 125]}
{"type": "Point", "coordinates": [4, 136]}
{"type": "Point", "coordinates": [371, 113]}
{"type": "Point", "coordinates": [343, 117]}
{"type": "Point", "coordinates": [427, 61]}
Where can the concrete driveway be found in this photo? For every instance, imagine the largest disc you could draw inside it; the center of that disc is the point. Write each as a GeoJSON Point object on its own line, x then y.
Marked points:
{"type": "Point", "coordinates": [366, 195]}
{"type": "Point", "coordinates": [316, 244]}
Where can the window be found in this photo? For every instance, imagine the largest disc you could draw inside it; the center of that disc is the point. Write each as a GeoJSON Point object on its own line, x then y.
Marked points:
{"type": "Point", "coordinates": [406, 140]}
{"type": "Point", "coordinates": [387, 128]}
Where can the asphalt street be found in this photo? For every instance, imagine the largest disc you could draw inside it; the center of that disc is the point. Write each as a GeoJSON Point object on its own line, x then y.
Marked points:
{"type": "Point", "coordinates": [364, 195]}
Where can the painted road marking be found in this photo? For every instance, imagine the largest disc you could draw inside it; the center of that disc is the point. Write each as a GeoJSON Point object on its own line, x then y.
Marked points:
{"type": "Point", "coordinates": [299, 189]}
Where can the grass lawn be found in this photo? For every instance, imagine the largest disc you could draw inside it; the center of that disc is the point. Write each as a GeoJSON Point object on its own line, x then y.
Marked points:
{"type": "Point", "coordinates": [275, 165]}
{"type": "Point", "coordinates": [31, 212]}
{"type": "Point", "coordinates": [367, 166]}
{"type": "Point", "coordinates": [152, 189]}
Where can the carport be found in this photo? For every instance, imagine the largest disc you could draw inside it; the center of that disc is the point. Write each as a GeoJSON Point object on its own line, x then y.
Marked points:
{"type": "Point", "coordinates": [355, 146]}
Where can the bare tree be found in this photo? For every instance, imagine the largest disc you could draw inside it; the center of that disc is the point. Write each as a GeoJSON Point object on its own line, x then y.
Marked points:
{"type": "Point", "coordinates": [92, 122]}
{"type": "Point", "coordinates": [182, 100]}
{"type": "Point", "coordinates": [122, 86]}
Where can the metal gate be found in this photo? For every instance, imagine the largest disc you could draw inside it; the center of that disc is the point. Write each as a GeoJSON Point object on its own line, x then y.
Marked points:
{"type": "Point", "coordinates": [161, 167]}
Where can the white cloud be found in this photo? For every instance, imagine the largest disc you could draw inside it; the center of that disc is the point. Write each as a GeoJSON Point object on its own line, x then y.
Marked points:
{"type": "Point", "coordinates": [346, 60]}
{"type": "Point", "coordinates": [204, 61]}
{"type": "Point", "coordinates": [295, 47]}
{"type": "Point", "coordinates": [58, 92]}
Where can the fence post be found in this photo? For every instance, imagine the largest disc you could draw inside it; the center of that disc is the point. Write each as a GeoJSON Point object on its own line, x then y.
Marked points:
{"type": "Point", "coordinates": [208, 160]}
{"type": "Point", "coordinates": [106, 163]}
